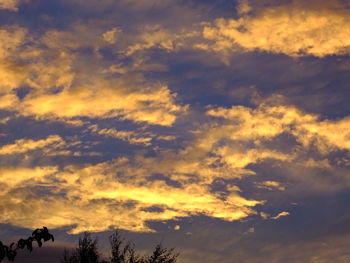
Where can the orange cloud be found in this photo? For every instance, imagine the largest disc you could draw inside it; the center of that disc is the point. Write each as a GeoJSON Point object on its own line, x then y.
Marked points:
{"type": "Point", "coordinates": [77, 194]}
{"type": "Point", "coordinates": [64, 86]}
{"type": "Point", "coordinates": [282, 214]}
{"type": "Point", "coordinates": [129, 136]}
{"type": "Point", "coordinates": [271, 185]}
{"type": "Point", "coordinates": [293, 29]}
{"type": "Point", "coordinates": [126, 193]}
{"type": "Point", "coordinates": [22, 146]}
{"type": "Point", "coordinates": [267, 122]}
{"type": "Point", "coordinates": [154, 105]}
{"type": "Point", "coordinates": [111, 35]}
{"type": "Point", "coordinates": [153, 36]}
{"type": "Point", "coordinates": [12, 73]}
{"type": "Point", "coordinates": [11, 38]}
{"type": "Point", "coordinates": [16, 177]}
{"type": "Point", "coordinates": [53, 145]}
{"type": "Point", "coordinates": [9, 4]}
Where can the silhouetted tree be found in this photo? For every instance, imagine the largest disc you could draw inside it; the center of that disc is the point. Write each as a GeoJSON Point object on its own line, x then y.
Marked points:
{"type": "Point", "coordinates": [39, 235]}
{"type": "Point", "coordinates": [162, 255]}
{"type": "Point", "coordinates": [121, 252]}
{"type": "Point", "coordinates": [86, 252]}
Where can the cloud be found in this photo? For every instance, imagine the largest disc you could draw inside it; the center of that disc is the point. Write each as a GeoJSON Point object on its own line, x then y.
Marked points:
{"type": "Point", "coordinates": [271, 185]}
{"type": "Point", "coordinates": [20, 177]}
{"type": "Point", "coordinates": [155, 36]}
{"type": "Point", "coordinates": [269, 121]}
{"type": "Point", "coordinates": [87, 75]}
{"type": "Point", "coordinates": [129, 192]}
{"type": "Point", "coordinates": [154, 105]}
{"type": "Point", "coordinates": [7, 101]}
{"type": "Point", "coordinates": [11, 38]}
{"type": "Point", "coordinates": [62, 85]}
{"type": "Point", "coordinates": [282, 214]}
{"type": "Point", "coordinates": [52, 146]}
{"type": "Point", "coordinates": [328, 135]}
{"type": "Point", "coordinates": [243, 7]}
{"type": "Point", "coordinates": [22, 146]}
{"type": "Point", "coordinates": [310, 149]}
{"type": "Point", "coordinates": [12, 72]}
{"type": "Point", "coordinates": [129, 136]}
{"type": "Point", "coordinates": [9, 4]}
{"type": "Point", "coordinates": [111, 35]}
{"type": "Point", "coordinates": [75, 195]}
{"type": "Point", "coordinates": [166, 138]}
{"type": "Point", "coordinates": [294, 29]}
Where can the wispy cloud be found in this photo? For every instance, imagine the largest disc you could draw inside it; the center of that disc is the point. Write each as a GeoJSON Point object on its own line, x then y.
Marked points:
{"type": "Point", "coordinates": [23, 146]}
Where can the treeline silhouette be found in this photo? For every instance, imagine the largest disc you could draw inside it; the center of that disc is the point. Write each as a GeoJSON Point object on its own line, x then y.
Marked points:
{"type": "Point", "coordinates": [39, 235]}
{"type": "Point", "coordinates": [121, 252]}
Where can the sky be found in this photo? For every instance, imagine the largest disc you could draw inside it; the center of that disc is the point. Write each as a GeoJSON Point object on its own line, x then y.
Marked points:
{"type": "Point", "coordinates": [220, 128]}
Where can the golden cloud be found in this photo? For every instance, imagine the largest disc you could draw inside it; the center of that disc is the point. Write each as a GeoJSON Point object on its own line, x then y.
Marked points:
{"type": "Point", "coordinates": [9, 4]}
{"type": "Point", "coordinates": [268, 121]}
{"type": "Point", "coordinates": [22, 146]}
{"type": "Point", "coordinates": [295, 29]}
{"type": "Point", "coordinates": [111, 35]}
{"type": "Point", "coordinates": [62, 85]}
{"type": "Point", "coordinates": [282, 214]}
{"type": "Point", "coordinates": [153, 36]}
{"type": "Point", "coordinates": [11, 38]}
{"type": "Point", "coordinates": [271, 185]}
{"type": "Point", "coordinates": [127, 193]}
{"type": "Point", "coordinates": [7, 101]}
{"type": "Point", "coordinates": [154, 105]}
{"type": "Point", "coordinates": [53, 145]}
{"type": "Point", "coordinates": [20, 177]}
{"type": "Point", "coordinates": [11, 72]}
{"type": "Point", "coordinates": [77, 194]}
{"type": "Point", "coordinates": [129, 136]}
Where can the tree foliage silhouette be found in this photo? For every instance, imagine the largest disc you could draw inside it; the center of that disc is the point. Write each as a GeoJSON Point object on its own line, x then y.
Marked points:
{"type": "Point", "coordinates": [86, 251]}
{"type": "Point", "coordinates": [121, 252]}
{"type": "Point", "coordinates": [162, 255]}
{"type": "Point", "coordinates": [39, 235]}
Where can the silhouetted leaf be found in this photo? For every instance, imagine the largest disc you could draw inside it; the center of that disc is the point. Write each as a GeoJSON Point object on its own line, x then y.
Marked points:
{"type": "Point", "coordinates": [29, 244]}
{"type": "Point", "coordinates": [11, 254]}
{"type": "Point", "coordinates": [21, 243]}
{"type": "Point", "coordinates": [35, 231]}
{"type": "Point", "coordinates": [2, 251]}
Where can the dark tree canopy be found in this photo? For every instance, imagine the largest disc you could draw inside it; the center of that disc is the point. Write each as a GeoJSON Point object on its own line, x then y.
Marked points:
{"type": "Point", "coordinates": [39, 235]}
{"type": "Point", "coordinates": [121, 252]}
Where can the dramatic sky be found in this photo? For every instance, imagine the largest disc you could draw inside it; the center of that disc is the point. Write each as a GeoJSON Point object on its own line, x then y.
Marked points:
{"type": "Point", "coordinates": [221, 128]}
